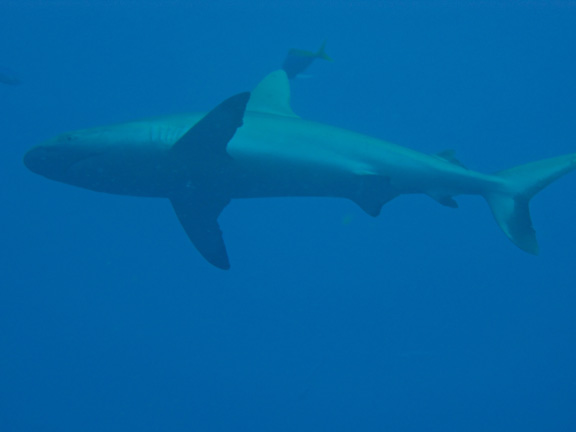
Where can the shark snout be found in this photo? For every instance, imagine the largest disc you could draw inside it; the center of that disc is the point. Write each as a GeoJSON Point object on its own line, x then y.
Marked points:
{"type": "Point", "coordinates": [53, 161]}
{"type": "Point", "coordinates": [35, 159]}
{"type": "Point", "coordinates": [55, 158]}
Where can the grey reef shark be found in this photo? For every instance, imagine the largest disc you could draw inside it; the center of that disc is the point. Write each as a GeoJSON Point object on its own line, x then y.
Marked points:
{"type": "Point", "coordinates": [252, 145]}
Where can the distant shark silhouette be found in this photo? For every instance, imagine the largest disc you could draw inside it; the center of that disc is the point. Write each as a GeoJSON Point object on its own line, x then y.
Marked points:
{"type": "Point", "coordinates": [201, 162]}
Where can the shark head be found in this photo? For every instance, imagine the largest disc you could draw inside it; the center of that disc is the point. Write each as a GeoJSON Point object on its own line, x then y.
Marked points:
{"type": "Point", "coordinates": [100, 159]}
{"type": "Point", "coordinates": [57, 157]}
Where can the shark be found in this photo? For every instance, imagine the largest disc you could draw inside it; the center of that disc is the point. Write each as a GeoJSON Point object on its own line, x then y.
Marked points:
{"type": "Point", "coordinates": [252, 145]}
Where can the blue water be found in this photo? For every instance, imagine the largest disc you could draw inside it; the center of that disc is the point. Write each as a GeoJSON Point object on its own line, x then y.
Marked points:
{"type": "Point", "coordinates": [423, 319]}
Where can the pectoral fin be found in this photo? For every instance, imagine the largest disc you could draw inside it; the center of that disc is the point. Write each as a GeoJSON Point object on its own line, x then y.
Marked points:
{"type": "Point", "coordinates": [209, 137]}
{"type": "Point", "coordinates": [199, 218]}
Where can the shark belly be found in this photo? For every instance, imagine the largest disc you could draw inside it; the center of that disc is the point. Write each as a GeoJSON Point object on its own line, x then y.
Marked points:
{"type": "Point", "coordinates": [143, 174]}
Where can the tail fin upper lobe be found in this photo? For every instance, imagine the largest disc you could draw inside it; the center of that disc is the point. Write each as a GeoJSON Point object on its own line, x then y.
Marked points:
{"type": "Point", "coordinates": [511, 207]}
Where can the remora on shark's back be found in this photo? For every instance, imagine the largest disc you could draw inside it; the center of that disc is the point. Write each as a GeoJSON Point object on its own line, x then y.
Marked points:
{"type": "Point", "coordinates": [297, 61]}
{"type": "Point", "coordinates": [201, 162]}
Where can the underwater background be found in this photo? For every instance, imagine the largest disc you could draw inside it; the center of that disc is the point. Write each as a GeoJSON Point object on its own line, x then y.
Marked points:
{"type": "Point", "coordinates": [423, 319]}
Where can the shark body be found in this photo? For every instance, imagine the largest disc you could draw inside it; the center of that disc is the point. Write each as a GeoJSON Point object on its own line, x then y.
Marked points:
{"type": "Point", "coordinates": [253, 145]}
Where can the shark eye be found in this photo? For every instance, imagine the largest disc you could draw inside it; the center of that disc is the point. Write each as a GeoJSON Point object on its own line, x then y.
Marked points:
{"type": "Point", "coordinates": [67, 138]}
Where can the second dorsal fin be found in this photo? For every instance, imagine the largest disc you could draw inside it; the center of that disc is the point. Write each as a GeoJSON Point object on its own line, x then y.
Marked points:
{"type": "Point", "coordinates": [450, 156]}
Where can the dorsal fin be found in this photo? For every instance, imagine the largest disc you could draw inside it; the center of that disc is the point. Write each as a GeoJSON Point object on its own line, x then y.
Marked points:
{"type": "Point", "coordinates": [450, 156]}
{"type": "Point", "coordinates": [272, 95]}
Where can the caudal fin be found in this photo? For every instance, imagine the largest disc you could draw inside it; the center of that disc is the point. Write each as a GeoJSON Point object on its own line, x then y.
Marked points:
{"type": "Point", "coordinates": [510, 207]}
{"type": "Point", "coordinates": [322, 53]}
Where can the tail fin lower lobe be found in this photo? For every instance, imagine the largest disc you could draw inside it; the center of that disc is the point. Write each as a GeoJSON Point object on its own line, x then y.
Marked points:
{"type": "Point", "coordinates": [510, 207]}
